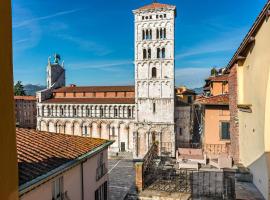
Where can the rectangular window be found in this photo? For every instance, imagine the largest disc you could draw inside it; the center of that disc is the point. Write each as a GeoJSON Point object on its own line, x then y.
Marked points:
{"type": "Point", "coordinates": [189, 99]}
{"type": "Point", "coordinates": [180, 131]}
{"type": "Point", "coordinates": [224, 130]}
{"type": "Point", "coordinates": [57, 189]}
{"type": "Point", "coordinates": [154, 107]}
{"type": "Point", "coordinates": [101, 169]}
{"type": "Point", "coordinates": [101, 192]}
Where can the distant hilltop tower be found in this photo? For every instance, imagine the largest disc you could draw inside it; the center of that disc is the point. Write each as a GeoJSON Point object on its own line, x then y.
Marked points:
{"type": "Point", "coordinates": [55, 73]}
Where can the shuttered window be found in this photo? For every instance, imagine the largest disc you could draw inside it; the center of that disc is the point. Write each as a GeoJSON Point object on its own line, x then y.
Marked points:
{"type": "Point", "coordinates": [225, 130]}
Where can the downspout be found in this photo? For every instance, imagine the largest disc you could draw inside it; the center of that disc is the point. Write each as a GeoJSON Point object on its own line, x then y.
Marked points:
{"type": "Point", "coordinates": [82, 181]}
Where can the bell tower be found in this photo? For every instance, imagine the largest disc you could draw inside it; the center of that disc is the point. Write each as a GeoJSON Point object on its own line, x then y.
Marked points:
{"type": "Point", "coordinates": [154, 65]}
{"type": "Point", "coordinates": [55, 73]}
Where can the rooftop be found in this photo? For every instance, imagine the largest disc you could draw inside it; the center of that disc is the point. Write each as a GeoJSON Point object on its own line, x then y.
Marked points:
{"type": "Point", "coordinates": [74, 88]}
{"type": "Point", "coordinates": [219, 78]}
{"type": "Point", "coordinates": [155, 6]}
{"type": "Point", "coordinates": [214, 100]}
{"type": "Point", "coordinates": [40, 153]}
{"type": "Point", "coordinates": [26, 98]}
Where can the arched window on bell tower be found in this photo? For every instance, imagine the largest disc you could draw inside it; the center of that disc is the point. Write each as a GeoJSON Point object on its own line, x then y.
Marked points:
{"type": "Point", "coordinates": [163, 53]}
{"type": "Point", "coordinates": [149, 53]}
{"type": "Point", "coordinates": [147, 34]}
{"type": "Point", "coordinates": [164, 33]}
{"type": "Point", "coordinates": [154, 72]}
{"type": "Point", "coordinates": [158, 52]}
{"type": "Point", "coordinates": [144, 54]}
{"type": "Point", "coordinates": [154, 107]}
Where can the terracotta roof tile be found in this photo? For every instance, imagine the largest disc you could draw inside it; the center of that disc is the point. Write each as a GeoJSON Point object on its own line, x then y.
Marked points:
{"type": "Point", "coordinates": [26, 98]}
{"type": "Point", "coordinates": [155, 6]}
{"type": "Point", "coordinates": [96, 89]}
{"type": "Point", "coordinates": [91, 100]}
{"type": "Point", "coordinates": [214, 100]}
{"type": "Point", "coordinates": [40, 152]}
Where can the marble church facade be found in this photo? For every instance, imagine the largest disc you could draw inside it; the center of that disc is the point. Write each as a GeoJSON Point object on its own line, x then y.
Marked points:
{"type": "Point", "coordinates": [133, 116]}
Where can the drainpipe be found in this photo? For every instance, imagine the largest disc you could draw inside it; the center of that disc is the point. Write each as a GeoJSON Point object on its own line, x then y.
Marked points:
{"type": "Point", "coordinates": [82, 182]}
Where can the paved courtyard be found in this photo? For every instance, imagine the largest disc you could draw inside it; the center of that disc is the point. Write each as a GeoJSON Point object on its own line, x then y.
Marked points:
{"type": "Point", "coordinates": [121, 178]}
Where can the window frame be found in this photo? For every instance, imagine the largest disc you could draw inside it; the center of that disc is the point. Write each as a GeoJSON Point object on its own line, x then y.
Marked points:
{"type": "Point", "coordinates": [220, 130]}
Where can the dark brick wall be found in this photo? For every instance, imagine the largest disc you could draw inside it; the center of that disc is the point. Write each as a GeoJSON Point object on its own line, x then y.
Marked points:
{"type": "Point", "coordinates": [234, 150]}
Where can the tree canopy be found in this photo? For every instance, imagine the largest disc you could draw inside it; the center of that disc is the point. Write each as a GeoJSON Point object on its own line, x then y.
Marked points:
{"type": "Point", "coordinates": [19, 89]}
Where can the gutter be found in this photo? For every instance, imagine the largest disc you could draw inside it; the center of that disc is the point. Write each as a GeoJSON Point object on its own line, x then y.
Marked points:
{"type": "Point", "coordinates": [31, 185]}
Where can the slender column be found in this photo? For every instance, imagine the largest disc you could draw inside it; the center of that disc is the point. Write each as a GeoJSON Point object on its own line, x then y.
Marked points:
{"type": "Point", "coordinates": [160, 142]}
{"type": "Point", "coordinates": [118, 130]}
{"type": "Point", "coordinates": [147, 142]}
{"type": "Point", "coordinates": [135, 144]}
{"type": "Point", "coordinates": [128, 128]}
{"type": "Point", "coordinates": [81, 130]}
{"type": "Point", "coordinates": [100, 127]}
{"type": "Point", "coordinates": [109, 127]}
{"type": "Point", "coordinates": [91, 130]}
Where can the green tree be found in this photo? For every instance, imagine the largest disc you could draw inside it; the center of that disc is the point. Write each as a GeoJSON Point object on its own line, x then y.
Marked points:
{"type": "Point", "coordinates": [18, 89]}
{"type": "Point", "coordinates": [214, 71]}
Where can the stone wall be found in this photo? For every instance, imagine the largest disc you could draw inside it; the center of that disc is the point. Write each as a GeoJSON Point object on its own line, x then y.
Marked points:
{"type": "Point", "coordinates": [234, 151]}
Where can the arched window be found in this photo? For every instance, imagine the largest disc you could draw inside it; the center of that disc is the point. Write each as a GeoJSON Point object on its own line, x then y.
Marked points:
{"type": "Point", "coordinates": [85, 130]}
{"type": "Point", "coordinates": [62, 111]}
{"type": "Point", "coordinates": [149, 53]}
{"type": "Point", "coordinates": [101, 112]}
{"type": "Point", "coordinates": [74, 111]}
{"type": "Point", "coordinates": [42, 111]}
{"type": "Point", "coordinates": [158, 52]}
{"type": "Point", "coordinates": [161, 33]}
{"type": "Point", "coordinates": [115, 112]}
{"type": "Point", "coordinates": [164, 33]}
{"type": "Point", "coordinates": [143, 34]}
{"type": "Point", "coordinates": [147, 34]}
{"type": "Point", "coordinates": [150, 34]}
{"type": "Point", "coordinates": [157, 34]}
{"type": "Point", "coordinates": [154, 107]}
{"type": "Point", "coordinates": [144, 54]}
{"type": "Point", "coordinates": [163, 53]}
{"type": "Point", "coordinates": [154, 72]}
{"type": "Point", "coordinates": [88, 112]}
{"type": "Point", "coordinates": [129, 112]}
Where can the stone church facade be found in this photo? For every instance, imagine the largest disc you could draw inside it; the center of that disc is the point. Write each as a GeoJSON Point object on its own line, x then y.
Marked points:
{"type": "Point", "coordinates": [133, 116]}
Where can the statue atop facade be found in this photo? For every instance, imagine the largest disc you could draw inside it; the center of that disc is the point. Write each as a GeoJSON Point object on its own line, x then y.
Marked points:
{"type": "Point", "coordinates": [57, 58]}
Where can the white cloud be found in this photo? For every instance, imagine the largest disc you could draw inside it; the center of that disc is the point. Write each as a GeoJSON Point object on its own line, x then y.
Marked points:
{"type": "Point", "coordinates": [113, 65]}
{"type": "Point", "coordinates": [87, 45]}
{"type": "Point", "coordinates": [29, 21]}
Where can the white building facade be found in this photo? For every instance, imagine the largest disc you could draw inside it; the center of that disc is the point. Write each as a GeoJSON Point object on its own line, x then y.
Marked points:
{"type": "Point", "coordinates": [133, 116]}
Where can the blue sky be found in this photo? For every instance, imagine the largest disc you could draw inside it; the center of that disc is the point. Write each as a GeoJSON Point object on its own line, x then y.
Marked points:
{"type": "Point", "coordinates": [95, 38]}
